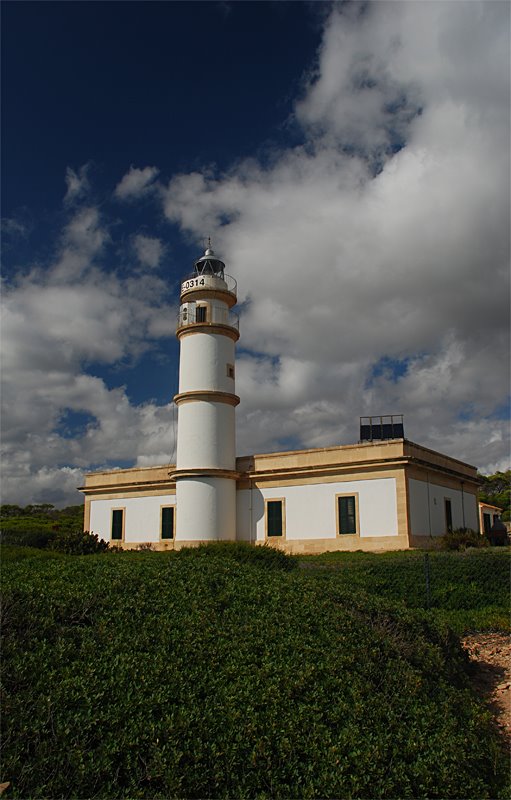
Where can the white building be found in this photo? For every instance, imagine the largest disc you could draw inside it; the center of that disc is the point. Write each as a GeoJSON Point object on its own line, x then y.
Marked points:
{"type": "Point", "coordinates": [377, 495]}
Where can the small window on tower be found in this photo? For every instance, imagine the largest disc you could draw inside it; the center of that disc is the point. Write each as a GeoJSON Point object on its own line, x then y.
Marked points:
{"type": "Point", "coordinates": [230, 371]}
{"type": "Point", "coordinates": [200, 314]}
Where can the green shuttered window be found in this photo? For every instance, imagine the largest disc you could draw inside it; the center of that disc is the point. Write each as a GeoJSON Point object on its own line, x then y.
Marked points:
{"type": "Point", "coordinates": [274, 512]}
{"type": "Point", "coordinates": [167, 523]}
{"type": "Point", "coordinates": [117, 523]}
{"type": "Point", "coordinates": [347, 514]}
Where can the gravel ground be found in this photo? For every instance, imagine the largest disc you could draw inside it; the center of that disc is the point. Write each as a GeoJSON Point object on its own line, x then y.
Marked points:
{"type": "Point", "coordinates": [490, 654]}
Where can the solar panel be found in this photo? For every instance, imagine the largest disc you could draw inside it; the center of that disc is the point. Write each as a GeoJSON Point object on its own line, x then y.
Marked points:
{"type": "Point", "coordinates": [382, 428]}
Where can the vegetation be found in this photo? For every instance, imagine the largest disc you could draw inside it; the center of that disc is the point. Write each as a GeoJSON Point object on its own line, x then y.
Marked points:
{"type": "Point", "coordinates": [264, 555]}
{"type": "Point", "coordinates": [495, 490]}
{"type": "Point", "coordinates": [44, 526]}
{"type": "Point", "coordinates": [211, 673]}
{"type": "Point", "coordinates": [467, 590]}
{"type": "Point", "coordinates": [38, 525]}
{"type": "Point", "coordinates": [461, 538]}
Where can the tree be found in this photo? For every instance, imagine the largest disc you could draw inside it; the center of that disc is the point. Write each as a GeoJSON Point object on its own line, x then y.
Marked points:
{"type": "Point", "coordinates": [496, 490]}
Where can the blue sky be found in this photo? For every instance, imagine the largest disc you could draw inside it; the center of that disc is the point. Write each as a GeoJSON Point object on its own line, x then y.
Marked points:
{"type": "Point", "coordinates": [349, 161]}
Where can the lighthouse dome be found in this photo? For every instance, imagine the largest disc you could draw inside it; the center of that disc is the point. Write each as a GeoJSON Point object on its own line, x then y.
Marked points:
{"type": "Point", "coordinates": [209, 264]}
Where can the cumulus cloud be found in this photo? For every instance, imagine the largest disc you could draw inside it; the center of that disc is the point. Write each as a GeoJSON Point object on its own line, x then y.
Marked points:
{"type": "Point", "coordinates": [136, 183]}
{"type": "Point", "coordinates": [383, 238]}
{"type": "Point", "coordinates": [149, 250]}
{"type": "Point", "coordinates": [57, 321]}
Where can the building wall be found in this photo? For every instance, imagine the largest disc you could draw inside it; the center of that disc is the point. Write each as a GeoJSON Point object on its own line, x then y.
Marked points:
{"type": "Point", "coordinates": [400, 490]}
{"type": "Point", "coordinates": [141, 517]}
{"type": "Point", "coordinates": [492, 512]}
{"type": "Point", "coordinates": [427, 508]}
{"type": "Point", "coordinates": [311, 509]}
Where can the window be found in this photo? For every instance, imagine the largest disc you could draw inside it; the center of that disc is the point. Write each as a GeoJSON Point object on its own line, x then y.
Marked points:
{"type": "Point", "coordinates": [274, 517]}
{"type": "Point", "coordinates": [167, 522]}
{"type": "Point", "coordinates": [448, 514]}
{"type": "Point", "coordinates": [347, 513]}
{"type": "Point", "coordinates": [200, 314]}
{"type": "Point", "coordinates": [230, 371]}
{"type": "Point", "coordinates": [117, 532]}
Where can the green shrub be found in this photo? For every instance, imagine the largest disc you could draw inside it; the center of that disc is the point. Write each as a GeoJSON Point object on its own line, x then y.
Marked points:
{"type": "Point", "coordinates": [461, 538]}
{"type": "Point", "coordinates": [11, 552]}
{"type": "Point", "coordinates": [28, 538]}
{"type": "Point", "coordinates": [469, 588]}
{"type": "Point", "coordinates": [195, 676]}
{"type": "Point", "coordinates": [78, 543]}
{"type": "Point", "coordinates": [243, 552]}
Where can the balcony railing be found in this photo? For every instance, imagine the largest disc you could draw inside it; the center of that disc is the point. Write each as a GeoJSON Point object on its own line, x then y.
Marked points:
{"type": "Point", "coordinates": [194, 281]}
{"type": "Point", "coordinates": [213, 316]}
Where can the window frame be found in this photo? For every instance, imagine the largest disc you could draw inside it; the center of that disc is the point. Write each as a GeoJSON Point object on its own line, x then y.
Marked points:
{"type": "Point", "coordinates": [122, 509]}
{"type": "Point", "coordinates": [338, 497]}
{"type": "Point", "coordinates": [203, 309]}
{"type": "Point", "coordinates": [273, 536]}
{"type": "Point", "coordinates": [168, 538]}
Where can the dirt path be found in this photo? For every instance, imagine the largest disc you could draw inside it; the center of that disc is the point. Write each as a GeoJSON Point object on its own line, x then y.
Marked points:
{"type": "Point", "coordinates": [491, 655]}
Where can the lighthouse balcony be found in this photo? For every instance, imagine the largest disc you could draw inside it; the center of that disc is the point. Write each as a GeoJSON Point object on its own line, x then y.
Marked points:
{"type": "Point", "coordinates": [191, 315]}
{"type": "Point", "coordinates": [197, 285]}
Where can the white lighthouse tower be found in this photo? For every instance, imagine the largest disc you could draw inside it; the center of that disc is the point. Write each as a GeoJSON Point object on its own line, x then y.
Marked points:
{"type": "Point", "coordinates": [206, 454]}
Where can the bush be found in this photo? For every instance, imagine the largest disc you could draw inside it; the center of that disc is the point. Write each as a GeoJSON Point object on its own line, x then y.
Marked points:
{"type": "Point", "coordinates": [12, 552]}
{"type": "Point", "coordinates": [461, 538]}
{"type": "Point", "coordinates": [245, 553]}
{"type": "Point", "coordinates": [28, 538]}
{"type": "Point", "coordinates": [194, 676]}
{"type": "Point", "coordinates": [78, 543]}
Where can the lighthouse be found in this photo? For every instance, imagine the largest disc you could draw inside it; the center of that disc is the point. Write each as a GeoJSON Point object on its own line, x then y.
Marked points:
{"type": "Point", "coordinates": [205, 471]}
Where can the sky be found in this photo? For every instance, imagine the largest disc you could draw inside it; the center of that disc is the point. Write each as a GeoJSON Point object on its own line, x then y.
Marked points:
{"type": "Point", "coordinates": [350, 162]}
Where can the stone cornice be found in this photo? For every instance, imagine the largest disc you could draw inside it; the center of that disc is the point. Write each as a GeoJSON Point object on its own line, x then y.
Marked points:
{"type": "Point", "coordinates": [204, 473]}
{"type": "Point", "coordinates": [208, 327]}
{"type": "Point", "coordinates": [207, 396]}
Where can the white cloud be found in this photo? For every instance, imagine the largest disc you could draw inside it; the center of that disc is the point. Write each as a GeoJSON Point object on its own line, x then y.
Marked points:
{"type": "Point", "coordinates": [136, 183]}
{"type": "Point", "coordinates": [149, 250]}
{"type": "Point", "coordinates": [55, 321]}
{"type": "Point", "coordinates": [77, 184]}
{"type": "Point", "coordinates": [14, 228]}
{"type": "Point", "coordinates": [348, 252]}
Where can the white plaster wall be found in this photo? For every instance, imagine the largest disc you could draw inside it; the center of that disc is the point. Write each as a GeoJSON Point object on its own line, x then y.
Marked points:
{"type": "Point", "coordinates": [206, 436]}
{"type": "Point", "coordinates": [141, 517]}
{"type": "Point", "coordinates": [218, 312]}
{"type": "Point", "coordinates": [311, 509]}
{"type": "Point", "coordinates": [427, 508]}
{"type": "Point", "coordinates": [244, 514]}
{"type": "Point", "coordinates": [203, 363]}
{"type": "Point", "coordinates": [206, 509]}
